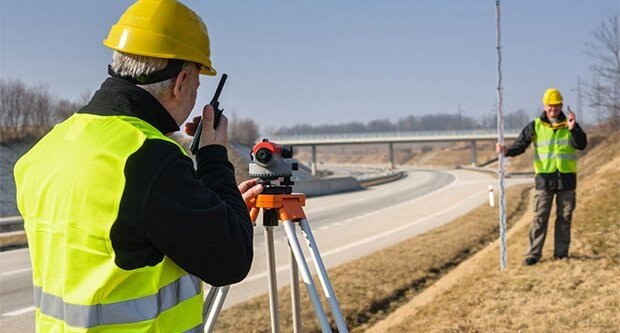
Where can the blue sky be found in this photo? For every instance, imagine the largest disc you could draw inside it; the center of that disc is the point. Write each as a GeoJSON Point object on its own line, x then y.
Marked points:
{"type": "Point", "coordinates": [330, 61]}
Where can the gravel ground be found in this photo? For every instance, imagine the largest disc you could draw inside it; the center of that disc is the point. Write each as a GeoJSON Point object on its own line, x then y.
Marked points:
{"type": "Point", "coordinates": [9, 154]}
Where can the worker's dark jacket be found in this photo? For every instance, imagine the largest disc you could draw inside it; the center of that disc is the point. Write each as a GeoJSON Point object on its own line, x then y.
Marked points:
{"type": "Point", "coordinates": [195, 217]}
{"type": "Point", "coordinates": [557, 180]}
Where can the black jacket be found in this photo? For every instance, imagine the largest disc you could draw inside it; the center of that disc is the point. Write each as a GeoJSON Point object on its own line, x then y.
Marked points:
{"type": "Point", "coordinates": [556, 181]}
{"type": "Point", "coordinates": [195, 217]}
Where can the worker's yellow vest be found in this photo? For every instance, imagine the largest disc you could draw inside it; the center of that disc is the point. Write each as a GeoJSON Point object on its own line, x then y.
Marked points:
{"type": "Point", "coordinates": [553, 150]}
{"type": "Point", "coordinates": [69, 188]}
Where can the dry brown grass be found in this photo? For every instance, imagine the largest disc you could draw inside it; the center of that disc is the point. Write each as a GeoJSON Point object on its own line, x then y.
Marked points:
{"type": "Point", "coordinates": [370, 288]}
{"type": "Point", "coordinates": [581, 294]}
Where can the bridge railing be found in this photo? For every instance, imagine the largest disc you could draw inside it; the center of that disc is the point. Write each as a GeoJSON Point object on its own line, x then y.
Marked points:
{"type": "Point", "coordinates": [395, 134]}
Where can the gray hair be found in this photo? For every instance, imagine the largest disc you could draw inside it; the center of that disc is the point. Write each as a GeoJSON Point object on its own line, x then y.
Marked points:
{"type": "Point", "coordinates": [125, 64]}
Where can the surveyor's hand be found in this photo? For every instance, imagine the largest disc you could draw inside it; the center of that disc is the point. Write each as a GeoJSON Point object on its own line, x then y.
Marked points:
{"type": "Point", "coordinates": [190, 128]}
{"type": "Point", "coordinates": [500, 148]}
{"type": "Point", "coordinates": [571, 120]}
{"type": "Point", "coordinates": [210, 136]}
{"type": "Point", "coordinates": [249, 191]}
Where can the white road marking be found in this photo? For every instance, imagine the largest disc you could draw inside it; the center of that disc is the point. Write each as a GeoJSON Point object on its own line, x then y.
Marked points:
{"type": "Point", "coordinates": [394, 230]}
{"type": "Point", "coordinates": [18, 312]}
{"type": "Point", "coordinates": [12, 252]}
{"type": "Point", "coordinates": [17, 271]}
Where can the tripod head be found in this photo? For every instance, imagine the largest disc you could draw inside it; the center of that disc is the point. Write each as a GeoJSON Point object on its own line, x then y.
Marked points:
{"type": "Point", "coordinates": [269, 163]}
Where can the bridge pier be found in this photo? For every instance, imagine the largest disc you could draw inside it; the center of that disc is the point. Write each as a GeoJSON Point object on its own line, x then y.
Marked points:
{"type": "Point", "coordinates": [391, 155]}
{"type": "Point", "coordinates": [313, 166]}
{"type": "Point", "coordinates": [474, 153]}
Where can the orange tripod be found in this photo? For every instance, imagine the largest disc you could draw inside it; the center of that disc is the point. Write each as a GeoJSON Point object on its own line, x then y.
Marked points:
{"type": "Point", "coordinates": [285, 209]}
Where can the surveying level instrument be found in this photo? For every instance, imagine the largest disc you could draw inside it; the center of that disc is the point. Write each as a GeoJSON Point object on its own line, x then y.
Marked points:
{"type": "Point", "coordinates": [281, 206]}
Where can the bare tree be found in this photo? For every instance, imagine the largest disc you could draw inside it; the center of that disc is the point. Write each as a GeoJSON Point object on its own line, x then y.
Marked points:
{"type": "Point", "coordinates": [516, 119]}
{"type": "Point", "coordinates": [29, 111]}
{"type": "Point", "coordinates": [243, 131]}
{"type": "Point", "coordinates": [604, 91]}
{"type": "Point", "coordinates": [64, 109]}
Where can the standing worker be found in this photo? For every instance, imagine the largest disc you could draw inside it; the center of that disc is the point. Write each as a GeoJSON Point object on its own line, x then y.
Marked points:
{"type": "Point", "coordinates": [121, 227]}
{"type": "Point", "coordinates": [555, 139]}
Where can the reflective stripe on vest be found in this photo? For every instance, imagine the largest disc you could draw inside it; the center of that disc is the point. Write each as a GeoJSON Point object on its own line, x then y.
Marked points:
{"type": "Point", "coordinates": [69, 189]}
{"type": "Point", "coordinates": [552, 149]}
{"type": "Point", "coordinates": [130, 311]}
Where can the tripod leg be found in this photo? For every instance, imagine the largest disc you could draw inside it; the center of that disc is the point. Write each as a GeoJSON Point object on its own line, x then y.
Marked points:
{"type": "Point", "coordinates": [213, 306]}
{"type": "Point", "coordinates": [320, 267]}
{"type": "Point", "coordinates": [295, 300]}
{"type": "Point", "coordinates": [273, 282]}
{"type": "Point", "coordinates": [305, 275]}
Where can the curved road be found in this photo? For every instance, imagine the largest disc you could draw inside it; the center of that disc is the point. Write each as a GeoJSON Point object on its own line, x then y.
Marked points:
{"type": "Point", "coordinates": [346, 226]}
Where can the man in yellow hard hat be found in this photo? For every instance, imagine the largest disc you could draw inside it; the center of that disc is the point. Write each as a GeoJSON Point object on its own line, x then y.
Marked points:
{"type": "Point", "coordinates": [555, 137]}
{"type": "Point", "coordinates": [121, 227]}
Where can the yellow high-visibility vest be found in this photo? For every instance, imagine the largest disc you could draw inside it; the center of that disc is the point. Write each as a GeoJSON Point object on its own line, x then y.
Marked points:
{"type": "Point", "coordinates": [69, 188]}
{"type": "Point", "coordinates": [553, 150]}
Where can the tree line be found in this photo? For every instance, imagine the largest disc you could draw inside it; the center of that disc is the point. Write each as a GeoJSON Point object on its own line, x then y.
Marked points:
{"type": "Point", "coordinates": [429, 122]}
{"type": "Point", "coordinates": [29, 112]}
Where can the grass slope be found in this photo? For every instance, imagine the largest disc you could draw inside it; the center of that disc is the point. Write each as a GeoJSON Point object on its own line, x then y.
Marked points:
{"type": "Point", "coordinates": [581, 294]}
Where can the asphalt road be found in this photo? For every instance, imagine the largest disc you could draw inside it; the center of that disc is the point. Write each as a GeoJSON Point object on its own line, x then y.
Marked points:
{"type": "Point", "coordinates": [345, 226]}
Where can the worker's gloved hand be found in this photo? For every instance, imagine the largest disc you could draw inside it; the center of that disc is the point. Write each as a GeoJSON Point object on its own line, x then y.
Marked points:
{"type": "Point", "coordinates": [249, 191]}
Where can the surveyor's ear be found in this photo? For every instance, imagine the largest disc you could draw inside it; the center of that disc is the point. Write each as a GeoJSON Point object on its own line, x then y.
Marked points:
{"type": "Point", "coordinates": [180, 83]}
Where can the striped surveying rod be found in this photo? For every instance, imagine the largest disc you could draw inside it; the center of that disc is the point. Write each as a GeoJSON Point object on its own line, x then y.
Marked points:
{"type": "Point", "coordinates": [500, 134]}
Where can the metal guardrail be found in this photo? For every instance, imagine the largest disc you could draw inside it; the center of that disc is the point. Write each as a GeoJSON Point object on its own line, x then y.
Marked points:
{"type": "Point", "coordinates": [381, 178]}
{"type": "Point", "coordinates": [11, 223]}
{"type": "Point", "coordinates": [10, 220]}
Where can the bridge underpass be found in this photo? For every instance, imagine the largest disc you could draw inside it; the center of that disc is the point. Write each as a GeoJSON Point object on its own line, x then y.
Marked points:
{"type": "Point", "coordinates": [389, 139]}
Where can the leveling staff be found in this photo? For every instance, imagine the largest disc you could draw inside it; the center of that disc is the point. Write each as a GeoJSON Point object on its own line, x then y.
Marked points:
{"type": "Point", "coordinates": [120, 226]}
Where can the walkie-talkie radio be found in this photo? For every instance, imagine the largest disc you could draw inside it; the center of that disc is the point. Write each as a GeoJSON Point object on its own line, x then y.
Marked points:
{"type": "Point", "coordinates": [217, 115]}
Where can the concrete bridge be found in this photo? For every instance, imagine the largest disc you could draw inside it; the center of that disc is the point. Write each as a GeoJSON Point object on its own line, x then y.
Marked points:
{"type": "Point", "coordinates": [390, 138]}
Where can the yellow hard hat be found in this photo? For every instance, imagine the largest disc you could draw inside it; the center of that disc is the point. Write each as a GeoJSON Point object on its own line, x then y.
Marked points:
{"type": "Point", "coordinates": [552, 96]}
{"type": "Point", "coordinates": [162, 29]}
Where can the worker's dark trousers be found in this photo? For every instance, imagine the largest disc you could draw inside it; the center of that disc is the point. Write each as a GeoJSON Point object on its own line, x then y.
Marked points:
{"type": "Point", "coordinates": [565, 202]}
